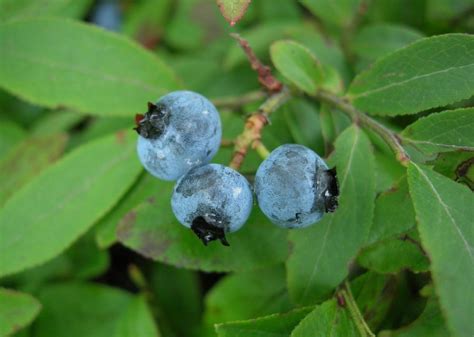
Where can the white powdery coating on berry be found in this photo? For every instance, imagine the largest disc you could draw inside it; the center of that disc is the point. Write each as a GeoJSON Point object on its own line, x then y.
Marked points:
{"type": "Point", "coordinates": [191, 138]}
{"type": "Point", "coordinates": [210, 189]}
{"type": "Point", "coordinates": [287, 186]}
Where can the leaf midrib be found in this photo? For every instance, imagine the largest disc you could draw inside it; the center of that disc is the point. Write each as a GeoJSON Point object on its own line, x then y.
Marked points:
{"type": "Point", "coordinates": [84, 71]}
{"type": "Point", "coordinates": [446, 209]}
{"type": "Point", "coordinates": [396, 84]}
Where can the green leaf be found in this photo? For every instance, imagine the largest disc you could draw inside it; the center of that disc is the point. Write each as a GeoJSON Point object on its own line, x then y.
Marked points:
{"type": "Point", "coordinates": [389, 171]}
{"type": "Point", "coordinates": [286, 10]}
{"type": "Point", "coordinates": [86, 260]}
{"type": "Point", "coordinates": [95, 71]}
{"type": "Point", "coordinates": [446, 10]}
{"type": "Point", "coordinates": [444, 131]}
{"type": "Point", "coordinates": [393, 255]}
{"type": "Point", "coordinates": [81, 309]}
{"type": "Point", "coordinates": [145, 20]}
{"type": "Point", "coordinates": [17, 310]}
{"type": "Point", "coordinates": [19, 111]}
{"type": "Point", "coordinates": [394, 213]}
{"type": "Point", "coordinates": [56, 122]}
{"type": "Point", "coordinates": [137, 320]}
{"type": "Point", "coordinates": [10, 135]}
{"type": "Point", "coordinates": [321, 253]}
{"type": "Point", "coordinates": [444, 213]}
{"type": "Point", "coordinates": [377, 40]}
{"type": "Point", "coordinates": [153, 231]}
{"type": "Point", "coordinates": [183, 32]}
{"type": "Point", "coordinates": [98, 128]}
{"type": "Point", "coordinates": [327, 319]}
{"type": "Point", "coordinates": [429, 323]}
{"type": "Point", "coordinates": [83, 260]}
{"type": "Point", "coordinates": [178, 297]}
{"type": "Point", "coordinates": [65, 200]}
{"type": "Point", "coordinates": [338, 13]}
{"type": "Point", "coordinates": [278, 325]}
{"type": "Point", "coordinates": [27, 160]}
{"type": "Point", "coordinates": [20, 9]}
{"type": "Point", "coordinates": [233, 10]}
{"type": "Point", "coordinates": [374, 294]}
{"type": "Point", "coordinates": [304, 125]}
{"type": "Point", "coordinates": [297, 64]}
{"type": "Point", "coordinates": [248, 295]}
{"type": "Point", "coordinates": [146, 187]}
{"type": "Point", "coordinates": [429, 73]}
{"type": "Point", "coordinates": [408, 12]}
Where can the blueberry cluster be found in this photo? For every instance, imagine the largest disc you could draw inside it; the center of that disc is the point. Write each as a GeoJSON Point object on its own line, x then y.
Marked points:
{"type": "Point", "coordinates": [178, 137]}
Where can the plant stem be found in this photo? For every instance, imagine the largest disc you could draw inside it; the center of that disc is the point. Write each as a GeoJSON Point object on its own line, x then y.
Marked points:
{"type": "Point", "coordinates": [364, 120]}
{"type": "Point", "coordinates": [233, 102]}
{"type": "Point", "coordinates": [354, 309]}
{"type": "Point", "coordinates": [353, 313]}
{"type": "Point", "coordinates": [261, 150]}
{"type": "Point", "coordinates": [251, 135]}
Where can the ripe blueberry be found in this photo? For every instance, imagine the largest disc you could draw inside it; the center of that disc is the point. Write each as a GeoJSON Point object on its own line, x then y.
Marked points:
{"type": "Point", "coordinates": [212, 200]}
{"type": "Point", "coordinates": [294, 187]}
{"type": "Point", "coordinates": [107, 14]}
{"type": "Point", "coordinates": [181, 131]}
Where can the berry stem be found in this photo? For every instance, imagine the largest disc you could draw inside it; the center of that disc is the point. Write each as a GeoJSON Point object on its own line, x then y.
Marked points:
{"type": "Point", "coordinates": [252, 133]}
{"type": "Point", "coordinates": [362, 119]}
{"type": "Point", "coordinates": [261, 149]}
{"type": "Point", "coordinates": [355, 312]}
{"type": "Point", "coordinates": [235, 102]}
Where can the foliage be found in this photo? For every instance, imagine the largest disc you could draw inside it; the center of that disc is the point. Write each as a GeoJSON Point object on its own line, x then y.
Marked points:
{"type": "Point", "coordinates": [383, 90]}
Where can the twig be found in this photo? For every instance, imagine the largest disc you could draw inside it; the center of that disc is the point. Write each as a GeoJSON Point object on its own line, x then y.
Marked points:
{"type": "Point", "coordinates": [233, 102]}
{"type": "Point", "coordinates": [251, 135]}
{"type": "Point", "coordinates": [265, 77]}
{"type": "Point", "coordinates": [364, 120]}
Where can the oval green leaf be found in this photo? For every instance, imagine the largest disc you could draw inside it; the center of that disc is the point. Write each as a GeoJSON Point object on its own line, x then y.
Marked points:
{"type": "Point", "coordinates": [450, 130]}
{"type": "Point", "coordinates": [429, 73]}
{"type": "Point", "coordinates": [58, 206]}
{"type": "Point", "coordinates": [444, 211]}
{"type": "Point", "coordinates": [17, 310]}
{"type": "Point", "coordinates": [297, 64]}
{"type": "Point", "coordinates": [79, 66]}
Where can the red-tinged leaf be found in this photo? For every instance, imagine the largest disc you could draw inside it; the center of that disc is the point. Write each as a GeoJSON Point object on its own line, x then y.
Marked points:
{"type": "Point", "coordinates": [233, 10]}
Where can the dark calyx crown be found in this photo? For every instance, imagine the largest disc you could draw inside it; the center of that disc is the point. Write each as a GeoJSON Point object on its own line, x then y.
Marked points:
{"type": "Point", "coordinates": [207, 232]}
{"type": "Point", "coordinates": [153, 123]}
{"type": "Point", "coordinates": [331, 193]}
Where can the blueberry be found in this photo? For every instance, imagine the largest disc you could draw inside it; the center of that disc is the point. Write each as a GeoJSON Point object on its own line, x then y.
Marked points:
{"type": "Point", "coordinates": [107, 15]}
{"type": "Point", "coordinates": [181, 131]}
{"type": "Point", "coordinates": [294, 187]}
{"type": "Point", "coordinates": [212, 200]}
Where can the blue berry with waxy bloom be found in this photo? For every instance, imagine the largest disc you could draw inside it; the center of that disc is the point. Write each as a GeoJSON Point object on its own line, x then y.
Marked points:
{"type": "Point", "coordinates": [181, 131]}
{"type": "Point", "coordinates": [212, 200]}
{"type": "Point", "coordinates": [294, 187]}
